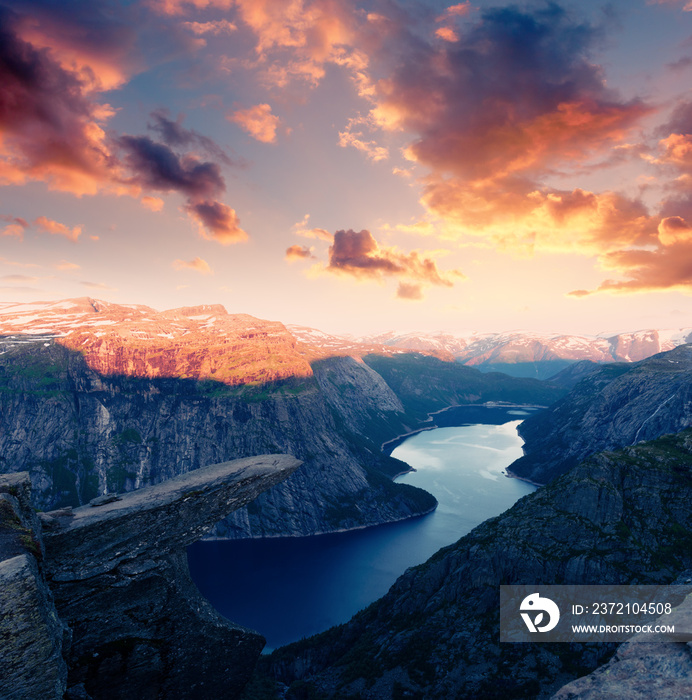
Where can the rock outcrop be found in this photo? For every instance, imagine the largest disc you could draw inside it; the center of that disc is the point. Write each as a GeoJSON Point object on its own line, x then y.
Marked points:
{"type": "Point", "coordinates": [640, 669]}
{"type": "Point", "coordinates": [612, 407]}
{"type": "Point", "coordinates": [617, 518]}
{"type": "Point", "coordinates": [32, 636]}
{"type": "Point", "coordinates": [108, 609]}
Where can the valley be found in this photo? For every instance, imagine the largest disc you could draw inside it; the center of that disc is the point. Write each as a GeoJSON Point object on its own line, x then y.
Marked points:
{"type": "Point", "coordinates": [99, 400]}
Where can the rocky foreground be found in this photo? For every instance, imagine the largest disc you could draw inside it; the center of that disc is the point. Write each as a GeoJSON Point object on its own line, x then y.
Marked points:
{"type": "Point", "coordinates": [98, 601]}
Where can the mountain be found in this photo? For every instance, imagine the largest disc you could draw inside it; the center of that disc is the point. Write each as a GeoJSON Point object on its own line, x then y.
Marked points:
{"type": "Point", "coordinates": [98, 398]}
{"type": "Point", "coordinates": [528, 354]}
{"type": "Point", "coordinates": [611, 407]}
{"type": "Point", "coordinates": [618, 518]}
{"type": "Point", "coordinates": [197, 342]}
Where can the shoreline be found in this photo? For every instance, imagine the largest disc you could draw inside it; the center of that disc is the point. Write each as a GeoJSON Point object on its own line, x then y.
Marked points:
{"type": "Point", "coordinates": [390, 445]}
{"type": "Point", "coordinates": [511, 475]}
{"type": "Point", "coordinates": [320, 534]}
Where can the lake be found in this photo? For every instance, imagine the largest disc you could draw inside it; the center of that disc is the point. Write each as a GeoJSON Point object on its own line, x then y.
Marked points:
{"type": "Point", "coordinates": [289, 588]}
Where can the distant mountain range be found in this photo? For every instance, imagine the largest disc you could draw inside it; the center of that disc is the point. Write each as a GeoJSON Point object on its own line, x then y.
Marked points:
{"type": "Point", "coordinates": [519, 353]}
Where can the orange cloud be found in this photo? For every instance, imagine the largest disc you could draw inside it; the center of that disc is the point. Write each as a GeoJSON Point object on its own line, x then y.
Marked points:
{"type": "Point", "coordinates": [217, 222]}
{"type": "Point", "coordinates": [674, 229]}
{"type": "Point", "coordinates": [687, 7]}
{"type": "Point", "coordinates": [57, 229]}
{"type": "Point", "coordinates": [50, 128]}
{"type": "Point", "coordinates": [447, 33]}
{"type": "Point", "coordinates": [258, 121]}
{"type": "Point", "coordinates": [460, 10]}
{"type": "Point", "coordinates": [15, 226]}
{"type": "Point", "coordinates": [512, 214]}
{"type": "Point", "coordinates": [178, 7]}
{"type": "Point", "coordinates": [296, 39]}
{"type": "Point", "coordinates": [298, 252]}
{"type": "Point", "coordinates": [665, 268]}
{"type": "Point", "coordinates": [358, 255]}
{"type": "Point", "coordinates": [66, 266]}
{"type": "Point", "coordinates": [352, 136]}
{"type": "Point", "coordinates": [152, 203]}
{"type": "Point", "coordinates": [197, 264]}
{"type": "Point", "coordinates": [495, 114]}
{"type": "Point", "coordinates": [301, 229]}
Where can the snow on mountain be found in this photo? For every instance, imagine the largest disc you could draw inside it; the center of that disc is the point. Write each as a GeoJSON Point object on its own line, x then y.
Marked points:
{"type": "Point", "coordinates": [207, 341]}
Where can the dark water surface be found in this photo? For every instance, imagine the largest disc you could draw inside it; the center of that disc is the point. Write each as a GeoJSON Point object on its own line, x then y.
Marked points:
{"type": "Point", "coordinates": [289, 588]}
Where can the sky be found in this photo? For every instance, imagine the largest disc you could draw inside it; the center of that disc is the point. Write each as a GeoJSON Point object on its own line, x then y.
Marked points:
{"type": "Point", "coordinates": [353, 166]}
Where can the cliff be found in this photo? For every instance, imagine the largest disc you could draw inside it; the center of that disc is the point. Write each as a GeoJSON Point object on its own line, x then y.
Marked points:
{"type": "Point", "coordinates": [81, 433]}
{"type": "Point", "coordinates": [32, 637]}
{"type": "Point", "coordinates": [641, 669]}
{"type": "Point", "coordinates": [611, 407]}
{"type": "Point", "coordinates": [107, 609]}
{"type": "Point", "coordinates": [620, 517]}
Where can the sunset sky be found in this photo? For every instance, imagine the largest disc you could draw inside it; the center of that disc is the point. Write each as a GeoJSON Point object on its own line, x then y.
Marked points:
{"type": "Point", "coordinates": [353, 166]}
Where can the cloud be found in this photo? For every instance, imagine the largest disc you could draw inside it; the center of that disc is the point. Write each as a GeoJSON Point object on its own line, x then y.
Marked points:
{"type": "Point", "coordinates": [66, 266]}
{"type": "Point", "coordinates": [15, 226]}
{"type": "Point", "coordinates": [258, 121]}
{"type": "Point", "coordinates": [358, 255]}
{"type": "Point", "coordinates": [98, 46]}
{"type": "Point", "coordinates": [197, 264]}
{"type": "Point", "coordinates": [216, 27]}
{"type": "Point", "coordinates": [178, 7]}
{"type": "Point", "coordinates": [217, 222]}
{"type": "Point", "coordinates": [410, 291]}
{"type": "Point", "coordinates": [57, 229]}
{"type": "Point", "coordinates": [447, 33]}
{"type": "Point", "coordinates": [301, 229]}
{"type": "Point", "coordinates": [51, 130]}
{"type": "Point", "coordinates": [152, 203]}
{"type": "Point", "coordinates": [156, 166]}
{"type": "Point", "coordinates": [12, 263]}
{"type": "Point", "coordinates": [515, 215]}
{"type": "Point", "coordinates": [25, 279]}
{"type": "Point", "coordinates": [687, 6]}
{"type": "Point", "coordinates": [664, 268]}
{"type": "Point", "coordinates": [174, 134]}
{"type": "Point", "coordinates": [352, 136]}
{"type": "Point", "coordinates": [298, 252]}
{"type": "Point", "coordinates": [497, 113]}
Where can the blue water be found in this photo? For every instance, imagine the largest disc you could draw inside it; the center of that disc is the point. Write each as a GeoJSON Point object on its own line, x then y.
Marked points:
{"type": "Point", "coordinates": [289, 588]}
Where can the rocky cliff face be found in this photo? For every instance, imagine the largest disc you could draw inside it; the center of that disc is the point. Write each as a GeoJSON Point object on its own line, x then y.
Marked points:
{"type": "Point", "coordinates": [32, 636]}
{"type": "Point", "coordinates": [614, 406]}
{"type": "Point", "coordinates": [106, 608]}
{"type": "Point", "coordinates": [619, 517]}
{"type": "Point", "coordinates": [81, 434]}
